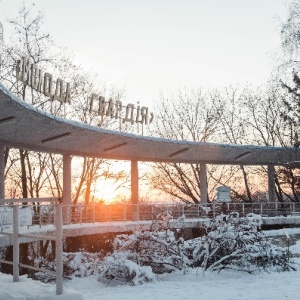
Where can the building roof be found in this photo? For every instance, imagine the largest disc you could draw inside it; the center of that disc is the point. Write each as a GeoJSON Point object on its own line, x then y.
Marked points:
{"type": "Point", "coordinates": [26, 127]}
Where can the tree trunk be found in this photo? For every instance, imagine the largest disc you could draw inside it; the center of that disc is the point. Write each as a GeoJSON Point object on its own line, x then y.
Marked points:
{"type": "Point", "coordinates": [246, 184]}
{"type": "Point", "coordinates": [6, 152]}
{"type": "Point", "coordinates": [23, 154]}
{"type": "Point", "coordinates": [91, 173]}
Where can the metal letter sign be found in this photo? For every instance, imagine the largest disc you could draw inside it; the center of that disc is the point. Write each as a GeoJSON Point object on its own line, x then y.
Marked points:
{"type": "Point", "coordinates": [59, 90]}
{"type": "Point", "coordinates": [43, 83]}
{"type": "Point", "coordinates": [113, 109]}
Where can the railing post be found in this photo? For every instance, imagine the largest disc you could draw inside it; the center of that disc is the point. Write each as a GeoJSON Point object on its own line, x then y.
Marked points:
{"type": "Point", "coordinates": [16, 244]}
{"type": "Point", "coordinates": [59, 249]}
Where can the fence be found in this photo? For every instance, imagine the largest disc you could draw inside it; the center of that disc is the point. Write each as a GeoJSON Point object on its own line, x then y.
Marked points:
{"type": "Point", "coordinates": [36, 208]}
{"type": "Point", "coordinates": [126, 212]}
{"type": "Point", "coordinates": [42, 212]}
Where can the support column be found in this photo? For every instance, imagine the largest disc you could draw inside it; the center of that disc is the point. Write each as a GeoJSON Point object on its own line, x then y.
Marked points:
{"type": "Point", "coordinates": [67, 200]}
{"type": "Point", "coordinates": [16, 243]}
{"type": "Point", "coordinates": [271, 183]}
{"type": "Point", "coordinates": [2, 172]}
{"type": "Point", "coordinates": [59, 249]}
{"type": "Point", "coordinates": [135, 190]}
{"type": "Point", "coordinates": [203, 184]}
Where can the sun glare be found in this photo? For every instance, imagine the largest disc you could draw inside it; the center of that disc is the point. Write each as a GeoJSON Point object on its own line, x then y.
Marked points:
{"type": "Point", "coordinates": [106, 190]}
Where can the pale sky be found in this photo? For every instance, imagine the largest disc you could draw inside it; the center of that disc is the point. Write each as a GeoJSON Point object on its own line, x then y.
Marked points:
{"type": "Point", "coordinates": [148, 46]}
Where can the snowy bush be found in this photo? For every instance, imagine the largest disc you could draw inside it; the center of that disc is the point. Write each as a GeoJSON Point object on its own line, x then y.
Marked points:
{"type": "Point", "coordinates": [234, 242]}
{"type": "Point", "coordinates": [138, 256]}
{"type": "Point", "coordinates": [228, 241]}
{"type": "Point", "coordinates": [81, 264]}
{"type": "Point", "coordinates": [118, 268]}
{"type": "Point", "coordinates": [78, 264]}
{"type": "Point", "coordinates": [158, 247]}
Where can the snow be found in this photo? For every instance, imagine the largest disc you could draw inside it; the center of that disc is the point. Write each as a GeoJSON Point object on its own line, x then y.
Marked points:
{"type": "Point", "coordinates": [187, 284]}
{"type": "Point", "coordinates": [28, 289]}
{"type": "Point", "coordinates": [214, 286]}
{"type": "Point", "coordinates": [282, 231]}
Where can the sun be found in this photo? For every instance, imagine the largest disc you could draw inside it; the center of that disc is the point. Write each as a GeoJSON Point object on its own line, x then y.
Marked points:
{"type": "Point", "coordinates": [106, 190]}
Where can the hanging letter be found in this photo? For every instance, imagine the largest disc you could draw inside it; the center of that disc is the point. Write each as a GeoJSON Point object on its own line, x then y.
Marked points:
{"type": "Point", "coordinates": [47, 85]}
{"type": "Point", "coordinates": [129, 113]}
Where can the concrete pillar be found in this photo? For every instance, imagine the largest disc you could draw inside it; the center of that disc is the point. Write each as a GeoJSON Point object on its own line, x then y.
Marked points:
{"type": "Point", "coordinates": [16, 243]}
{"type": "Point", "coordinates": [135, 189]}
{"type": "Point", "coordinates": [2, 172]}
{"type": "Point", "coordinates": [67, 188]}
{"type": "Point", "coordinates": [271, 183]}
{"type": "Point", "coordinates": [203, 184]}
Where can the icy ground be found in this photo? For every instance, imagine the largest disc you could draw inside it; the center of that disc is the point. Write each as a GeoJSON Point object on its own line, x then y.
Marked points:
{"type": "Point", "coordinates": [226, 285]}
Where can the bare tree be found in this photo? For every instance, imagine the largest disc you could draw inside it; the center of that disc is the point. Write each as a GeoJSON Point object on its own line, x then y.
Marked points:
{"type": "Point", "coordinates": [290, 41]}
{"type": "Point", "coordinates": [268, 126]}
{"type": "Point", "coordinates": [188, 115]}
{"type": "Point", "coordinates": [233, 116]}
{"type": "Point", "coordinates": [234, 131]}
{"type": "Point", "coordinates": [40, 172]}
{"type": "Point", "coordinates": [32, 43]}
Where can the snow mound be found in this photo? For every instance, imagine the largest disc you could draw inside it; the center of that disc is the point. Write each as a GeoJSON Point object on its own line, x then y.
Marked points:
{"type": "Point", "coordinates": [28, 289]}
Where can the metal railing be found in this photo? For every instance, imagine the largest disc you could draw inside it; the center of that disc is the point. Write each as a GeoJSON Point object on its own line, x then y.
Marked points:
{"type": "Point", "coordinates": [142, 212]}
{"type": "Point", "coordinates": [11, 209]}
{"type": "Point", "coordinates": [43, 213]}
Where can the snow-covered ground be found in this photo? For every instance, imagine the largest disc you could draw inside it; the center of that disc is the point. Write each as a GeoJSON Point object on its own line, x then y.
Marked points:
{"type": "Point", "coordinates": [226, 285]}
{"type": "Point", "coordinates": [192, 285]}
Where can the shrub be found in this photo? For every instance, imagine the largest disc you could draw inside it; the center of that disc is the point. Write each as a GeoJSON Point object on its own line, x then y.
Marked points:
{"type": "Point", "coordinates": [236, 243]}
{"type": "Point", "coordinates": [158, 247]}
{"type": "Point", "coordinates": [118, 268]}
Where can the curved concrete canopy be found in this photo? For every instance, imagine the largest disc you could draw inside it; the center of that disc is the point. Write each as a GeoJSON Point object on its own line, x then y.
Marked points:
{"type": "Point", "coordinates": [25, 127]}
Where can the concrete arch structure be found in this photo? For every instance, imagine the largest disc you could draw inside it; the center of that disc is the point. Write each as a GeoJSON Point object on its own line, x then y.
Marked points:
{"type": "Point", "coordinates": [25, 127]}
